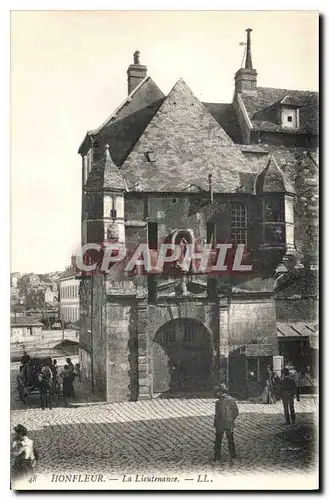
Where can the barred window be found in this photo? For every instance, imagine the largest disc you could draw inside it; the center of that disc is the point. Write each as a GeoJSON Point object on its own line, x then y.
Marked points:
{"type": "Point", "coordinates": [239, 223]}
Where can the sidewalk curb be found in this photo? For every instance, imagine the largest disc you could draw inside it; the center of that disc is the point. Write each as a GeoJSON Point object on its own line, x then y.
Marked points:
{"type": "Point", "coordinates": [87, 403]}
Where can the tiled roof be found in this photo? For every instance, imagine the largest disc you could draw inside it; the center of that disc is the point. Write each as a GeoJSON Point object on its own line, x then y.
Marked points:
{"type": "Point", "coordinates": [188, 144]}
{"type": "Point", "coordinates": [226, 116]}
{"type": "Point", "coordinates": [262, 107]}
{"type": "Point", "coordinates": [23, 321]}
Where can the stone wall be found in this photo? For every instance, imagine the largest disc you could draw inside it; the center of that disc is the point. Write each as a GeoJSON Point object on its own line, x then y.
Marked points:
{"type": "Point", "coordinates": [252, 321]}
{"type": "Point", "coordinates": [120, 331]}
{"type": "Point", "coordinates": [292, 310]}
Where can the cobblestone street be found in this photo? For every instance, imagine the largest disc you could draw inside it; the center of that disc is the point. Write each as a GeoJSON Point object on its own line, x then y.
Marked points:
{"type": "Point", "coordinates": [165, 435]}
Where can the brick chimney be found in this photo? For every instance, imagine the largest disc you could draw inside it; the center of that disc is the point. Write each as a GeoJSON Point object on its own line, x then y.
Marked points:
{"type": "Point", "coordinates": [136, 73]}
{"type": "Point", "coordinates": [246, 78]}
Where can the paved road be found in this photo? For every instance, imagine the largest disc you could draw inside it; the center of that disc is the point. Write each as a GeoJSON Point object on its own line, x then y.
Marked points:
{"type": "Point", "coordinates": [165, 435]}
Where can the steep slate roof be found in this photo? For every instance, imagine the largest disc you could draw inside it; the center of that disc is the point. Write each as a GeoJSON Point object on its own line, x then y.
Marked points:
{"type": "Point", "coordinates": [262, 106]}
{"type": "Point", "coordinates": [143, 96]}
{"type": "Point", "coordinates": [188, 144]}
{"type": "Point", "coordinates": [227, 118]}
{"type": "Point", "coordinates": [121, 135]}
{"type": "Point", "coordinates": [105, 174]}
{"type": "Point", "coordinates": [272, 179]}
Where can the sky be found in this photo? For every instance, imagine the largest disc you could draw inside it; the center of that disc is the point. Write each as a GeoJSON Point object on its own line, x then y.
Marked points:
{"type": "Point", "coordinates": [68, 74]}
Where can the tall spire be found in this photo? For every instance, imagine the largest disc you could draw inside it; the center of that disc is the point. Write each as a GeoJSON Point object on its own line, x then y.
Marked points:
{"type": "Point", "coordinates": [246, 77]}
{"type": "Point", "coordinates": [248, 64]}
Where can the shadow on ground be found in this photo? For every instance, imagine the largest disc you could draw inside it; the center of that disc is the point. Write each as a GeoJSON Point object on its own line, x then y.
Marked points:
{"type": "Point", "coordinates": [263, 442]}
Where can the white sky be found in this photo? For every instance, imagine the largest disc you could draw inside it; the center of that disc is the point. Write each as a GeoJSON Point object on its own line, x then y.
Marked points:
{"type": "Point", "coordinates": [68, 73]}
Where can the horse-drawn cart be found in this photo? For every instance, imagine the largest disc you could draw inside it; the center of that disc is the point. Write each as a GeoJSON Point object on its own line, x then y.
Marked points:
{"type": "Point", "coordinates": [28, 380]}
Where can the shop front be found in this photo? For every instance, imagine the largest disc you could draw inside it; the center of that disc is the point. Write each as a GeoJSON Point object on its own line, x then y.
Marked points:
{"type": "Point", "coordinates": [248, 366]}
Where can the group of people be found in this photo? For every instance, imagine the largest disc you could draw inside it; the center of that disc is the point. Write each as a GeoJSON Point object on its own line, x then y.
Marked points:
{"type": "Point", "coordinates": [226, 411]}
{"type": "Point", "coordinates": [44, 376]}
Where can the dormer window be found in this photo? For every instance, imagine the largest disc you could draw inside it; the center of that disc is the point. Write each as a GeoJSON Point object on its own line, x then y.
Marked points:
{"type": "Point", "coordinates": [289, 112]}
{"type": "Point", "coordinates": [289, 117]}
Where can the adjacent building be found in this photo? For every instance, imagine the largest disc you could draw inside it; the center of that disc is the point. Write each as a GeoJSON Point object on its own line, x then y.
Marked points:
{"type": "Point", "coordinates": [175, 169]}
{"type": "Point", "coordinates": [68, 290]}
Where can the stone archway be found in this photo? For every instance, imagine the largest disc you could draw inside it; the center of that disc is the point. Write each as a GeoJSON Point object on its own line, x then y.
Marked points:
{"type": "Point", "coordinates": [182, 357]}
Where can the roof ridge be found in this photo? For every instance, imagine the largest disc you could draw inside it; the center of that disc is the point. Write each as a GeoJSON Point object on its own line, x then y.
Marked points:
{"type": "Point", "coordinates": [289, 90]}
{"type": "Point", "coordinates": [116, 111]}
{"type": "Point", "coordinates": [137, 111]}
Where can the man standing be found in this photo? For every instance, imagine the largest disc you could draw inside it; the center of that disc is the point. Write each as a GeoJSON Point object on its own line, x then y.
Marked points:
{"type": "Point", "coordinates": [225, 415]}
{"type": "Point", "coordinates": [68, 377]}
{"type": "Point", "coordinates": [288, 391]}
{"type": "Point", "coordinates": [45, 386]}
{"type": "Point", "coordinates": [71, 367]}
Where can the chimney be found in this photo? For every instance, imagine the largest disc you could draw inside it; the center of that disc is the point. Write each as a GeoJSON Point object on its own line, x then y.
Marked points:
{"type": "Point", "coordinates": [136, 73]}
{"type": "Point", "coordinates": [246, 78]}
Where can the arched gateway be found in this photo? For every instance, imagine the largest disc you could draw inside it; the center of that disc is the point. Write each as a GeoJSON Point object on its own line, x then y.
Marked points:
{"type": "Point", "coordinates": [182, 357]}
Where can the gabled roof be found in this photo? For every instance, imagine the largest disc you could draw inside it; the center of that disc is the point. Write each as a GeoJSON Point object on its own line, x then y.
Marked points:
{"type": "Point", "coordinates": [143, 96]}
{"type": "Point", "coordinates": [105, 174]}
{"type": "Point", "coordinates": [290, 102]}
{"type": "Point", "coordinates": [188, 144]}
{"type": "Point", "coordinates": [262, 107]}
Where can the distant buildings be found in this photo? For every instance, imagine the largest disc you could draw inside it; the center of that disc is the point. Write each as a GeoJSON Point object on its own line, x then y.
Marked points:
{"type": "Point", "coordinates": [23, 328]}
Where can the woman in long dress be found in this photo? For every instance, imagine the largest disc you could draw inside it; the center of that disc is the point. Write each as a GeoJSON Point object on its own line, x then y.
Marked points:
{"type": "Point", "coordinates": [268, 394]}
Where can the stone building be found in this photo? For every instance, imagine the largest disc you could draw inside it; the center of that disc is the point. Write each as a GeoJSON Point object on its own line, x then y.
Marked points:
{"type": "Point", "coordinates": [172, 168]}
{"type": "Point", "coordinates": [69, 297]}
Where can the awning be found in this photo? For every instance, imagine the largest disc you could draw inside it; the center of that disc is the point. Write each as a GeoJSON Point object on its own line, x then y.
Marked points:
{"type": "Point", "coordinates": [255, 350]}
{"type": "Point", "coordinates": [298, 330]}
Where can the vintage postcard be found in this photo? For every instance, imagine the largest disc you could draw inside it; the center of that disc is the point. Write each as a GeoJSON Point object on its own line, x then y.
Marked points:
{"type": "Point", "coordinates": [164, 307]}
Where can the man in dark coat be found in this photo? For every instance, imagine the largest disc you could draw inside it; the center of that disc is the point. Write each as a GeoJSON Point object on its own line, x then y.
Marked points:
{"type": "Point", "coordinates": [225, 415]}
{"type": "Point", "coordinates": [68, 377]}
{"type": "Point", "coordinates": [288, 392]}
{"type": "Point", "coordinates": [25, 358]}
{"type": "Point", "coordinates": [45, 386]}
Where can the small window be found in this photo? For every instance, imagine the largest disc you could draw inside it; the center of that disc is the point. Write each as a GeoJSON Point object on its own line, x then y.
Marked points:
{"type": "Point", "coordinates": [151, 156]}
{"type": "Point", "coordinates": [152, 233]}
{"type": "Point", "coordinates": [289, 118]}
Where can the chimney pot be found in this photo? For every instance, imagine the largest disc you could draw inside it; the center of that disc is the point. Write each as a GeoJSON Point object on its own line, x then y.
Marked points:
{"type": "Point", "coordinates": [136, 57]}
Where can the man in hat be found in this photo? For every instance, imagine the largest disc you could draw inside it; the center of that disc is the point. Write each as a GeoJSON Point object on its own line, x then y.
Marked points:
{"type": "Point", "coordinates": [288, 392]}
{"type": "Point", "coordinates": [24, 453]}
{"type": "Point", "coordinates": [225, 415]}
